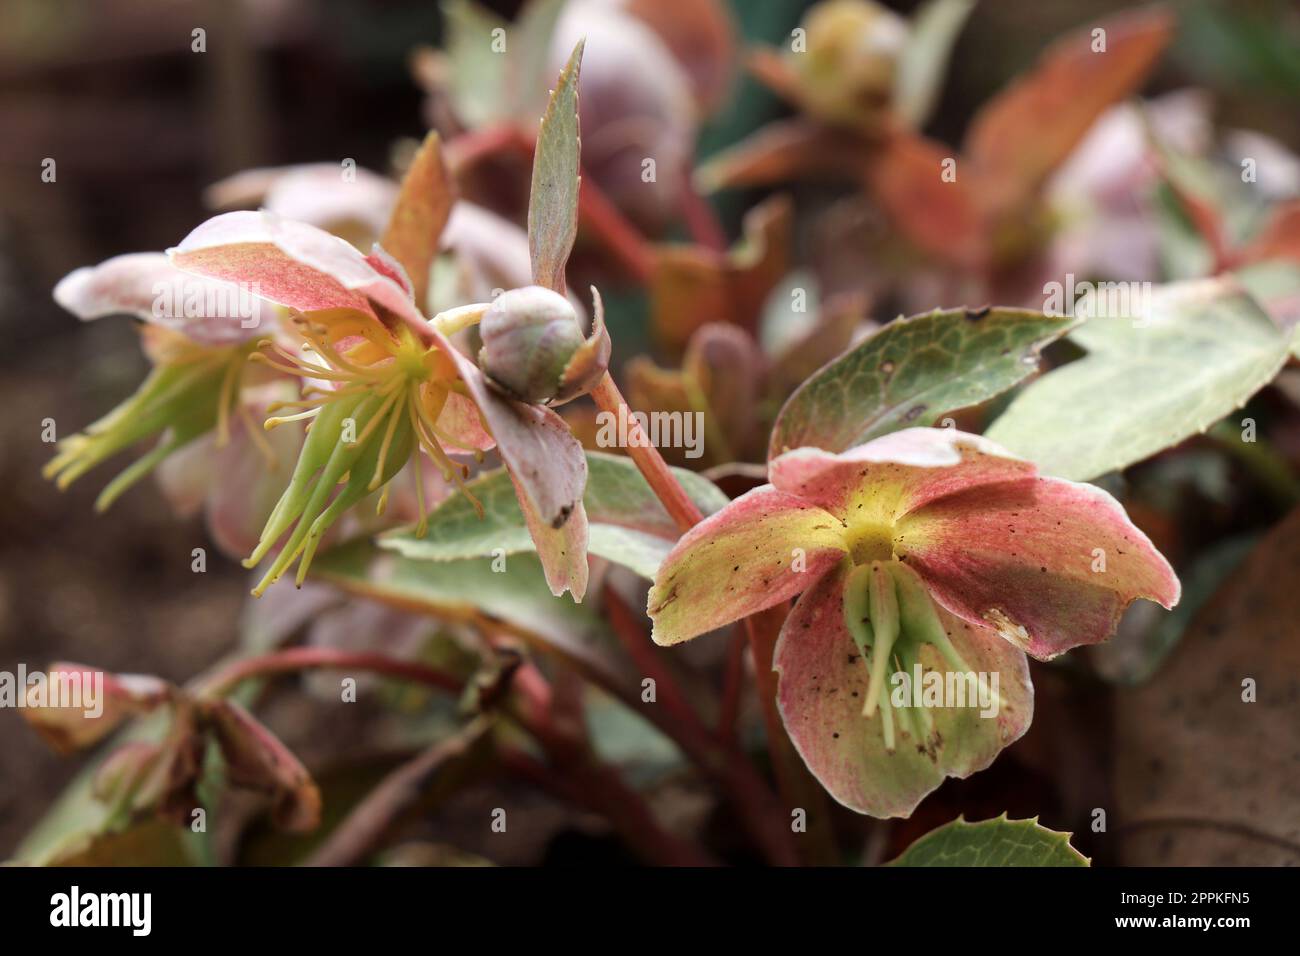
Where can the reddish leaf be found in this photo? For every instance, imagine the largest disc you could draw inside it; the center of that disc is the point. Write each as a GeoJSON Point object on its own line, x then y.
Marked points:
{"type": "Point", "coordinates": [1025, 132]}
{"type": "Point", "coordinates": [423, 207]}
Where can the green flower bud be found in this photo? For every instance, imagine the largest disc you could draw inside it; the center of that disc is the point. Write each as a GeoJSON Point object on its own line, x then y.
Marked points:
{"type": "Point", "coordinates": [847, 70]}
{"type": "Point", "coordinates": [534, 349]}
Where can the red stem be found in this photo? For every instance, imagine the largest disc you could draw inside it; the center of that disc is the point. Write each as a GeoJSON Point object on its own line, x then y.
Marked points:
{"type": "Point", "coordinates": [475, 145]}
{"type": "Point", "coordinates": [599, 787]}
{"type": "Point", "coordinates": [603, 791]}
{"type": "Point", "coordinates": [314, 658]}
{"type": "Point", "coordinates": [596, 212]}
{"type": "Point", "coordinates": [612, 229]}
{"type": "Point", "coordinates": [652, 664]}
{"type": "Point", "coordinates": [647, 458]}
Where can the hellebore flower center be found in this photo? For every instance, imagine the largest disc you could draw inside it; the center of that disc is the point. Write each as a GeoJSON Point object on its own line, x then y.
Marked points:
{"type": "Point", "coordinates": [368, 421]}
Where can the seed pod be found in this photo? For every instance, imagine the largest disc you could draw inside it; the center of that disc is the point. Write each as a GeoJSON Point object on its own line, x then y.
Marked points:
{"type": "Point", "coordinates": [534, 349]}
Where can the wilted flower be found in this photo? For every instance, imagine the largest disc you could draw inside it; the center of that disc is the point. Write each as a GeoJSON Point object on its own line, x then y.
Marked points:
{"type": "Point", "coordinates": [163, 774]}
{"type": "Point", "coordinates": [102, 702]}
{"type": "Point", "coordinates": [924, 552]}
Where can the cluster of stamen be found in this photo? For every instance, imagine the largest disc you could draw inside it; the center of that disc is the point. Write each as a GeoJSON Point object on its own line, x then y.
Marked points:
{"type": "Point", "coordinates": [392, 405]}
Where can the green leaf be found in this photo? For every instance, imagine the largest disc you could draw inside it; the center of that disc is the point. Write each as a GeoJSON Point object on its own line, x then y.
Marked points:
{"type": "Point", "coordinates": [912, 372]}
{"type": "Point", "coordinates": [553, 201]}
{"type": "Point", "coordinates": [515, 600]}
{"type": "Point", "coordinates": [477, 74]}
{"type": "Point", "coordinates": [627, 523]}
{"type": "Point", "coordinates": [925, 57]}
{"type": "Point", "coordinates": [1202, 348]}
{"type": "Point", "coordinates": [999, 842]}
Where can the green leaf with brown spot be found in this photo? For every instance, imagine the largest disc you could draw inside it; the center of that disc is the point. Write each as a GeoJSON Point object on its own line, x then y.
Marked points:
{"type": "Point", "coordinates": [999, 842]}
{"type": "Point", "coordinates": [912, 372]}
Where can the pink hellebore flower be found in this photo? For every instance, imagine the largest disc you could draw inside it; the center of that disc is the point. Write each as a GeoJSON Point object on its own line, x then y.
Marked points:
{"type": "Point", "coordinates": [198, 334]}
{"type": "Point", "coordinates": [927, 563]}
{"type": "Point", "coordinates": [385, 383]}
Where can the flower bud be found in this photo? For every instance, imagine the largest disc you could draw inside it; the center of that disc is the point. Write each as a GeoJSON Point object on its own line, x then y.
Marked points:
{"type": "Point", "coordinates": [847, 70]}
{"type": "Point", "coordinates": [534, 349]}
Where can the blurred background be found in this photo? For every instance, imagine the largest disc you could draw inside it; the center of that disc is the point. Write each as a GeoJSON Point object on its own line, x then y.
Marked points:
{"type": "Point", "coordinates": [139, 125]}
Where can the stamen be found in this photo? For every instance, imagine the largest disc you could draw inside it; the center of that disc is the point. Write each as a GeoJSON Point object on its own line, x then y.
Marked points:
{"type": "Point", "coordinates": [379, 416]}
{"type": "Point", "coordinates": [281, 419]}
{"type": "Point", "coordinates": [256, 435]}
{"type": "Point", "coordinates": [323, 347]}
{"type": "Point", "coordinates": [395, 415]}
{"type": "Point", "coordinates": [297, 371]}
{"type": "Point", "coordinates": [430, 442]}
{"type": "Point", "coordinates": [422, 525]}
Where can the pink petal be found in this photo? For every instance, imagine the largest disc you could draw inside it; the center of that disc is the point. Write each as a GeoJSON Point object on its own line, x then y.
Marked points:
{"type": "Point", "coordinates": [916, 465]}
{"type": "Point", "coordinates": [291, 263]}
{"type": "Point", "coordinates": [820, 691]}
{"type": "Point", "coordinates": [146, 285]}
{"type": "Point", "coordinates": [242, 247]}
{"type": "Point", "coordinates": [460, 420]}
{"type": "Point", "coordinates": [741, 560]}
{"type": "Point", "coordinates": [1020, 556]}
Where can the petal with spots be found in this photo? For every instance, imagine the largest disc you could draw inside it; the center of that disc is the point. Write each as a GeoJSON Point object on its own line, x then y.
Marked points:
{"type": "Point", "coordinates": [822, 684]}
{"type": "Point", "coordinates": [763, 548]}
{"type": "Point", "coordinates": [1050, 564]}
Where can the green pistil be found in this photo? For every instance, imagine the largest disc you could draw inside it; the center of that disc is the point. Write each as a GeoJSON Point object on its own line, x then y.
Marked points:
{"type": "Point", "coordinates": [884, 623]}
{"type": "Point", "coordinates": [890, 615]}
{"type": "Point", "coordinates": [333, 474]}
